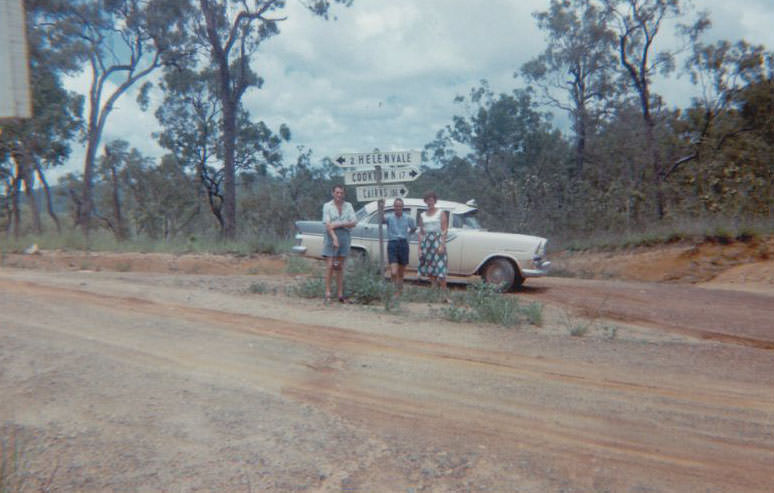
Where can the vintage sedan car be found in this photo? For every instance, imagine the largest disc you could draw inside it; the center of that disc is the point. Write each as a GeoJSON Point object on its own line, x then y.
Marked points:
{"type": "Point", "coordinates": [500, 258]}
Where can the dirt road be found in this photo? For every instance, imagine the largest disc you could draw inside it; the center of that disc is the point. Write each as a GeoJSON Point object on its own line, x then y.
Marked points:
{"type": "Point", "coordinates": [132, 381]}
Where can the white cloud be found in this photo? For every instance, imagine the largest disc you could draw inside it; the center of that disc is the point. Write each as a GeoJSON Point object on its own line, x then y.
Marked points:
{"type": "Point", "coordinates": [384, 74]}
{"type": "Point", "coordinates": [126, 121]}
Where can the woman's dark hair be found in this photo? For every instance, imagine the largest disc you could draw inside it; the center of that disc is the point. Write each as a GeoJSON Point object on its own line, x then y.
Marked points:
{"type": "Point", "coordinates": [429, 194]}
{"type": "Point", "coordinates": [333, 189]}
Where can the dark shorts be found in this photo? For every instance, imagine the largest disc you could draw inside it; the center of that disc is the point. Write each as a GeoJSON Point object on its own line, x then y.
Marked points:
{"type": "Point", "coordinates": [398, 252]}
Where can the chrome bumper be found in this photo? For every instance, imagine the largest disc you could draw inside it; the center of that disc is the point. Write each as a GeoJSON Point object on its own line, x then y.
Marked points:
{"type": "Point", "coordinates": [298, 250]}
{"type": "Point", "coordinates": [541, 268]}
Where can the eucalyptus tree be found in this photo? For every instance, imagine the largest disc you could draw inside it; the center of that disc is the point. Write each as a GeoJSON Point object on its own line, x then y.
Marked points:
{"type": "Point", "coordinates": [120, 42]}
{"type": "Point", "coordinates": [722, 72]}
{"type": "Point", "coordinates": [575, 73]}
{"type": "Point", "coordinates": [164, 200]}
{"type": "Point", "coordinates": [520, 160]}
{"type": "Point", "coordinates": [756, 101]}
{"type": "Point", "coordinates": [727, 132]}
{"type": "Point", "coordinates": [36, 144]}
{"type": "Point", "coordinates": [191, 116]}
{"type": "Point", "coordinates": [294, 190]}
{"type": "Point", "coordinates": [637, 24]}
{"type": "Point", "coordinates": [231, 32]}
{"type": "Point", "coordinates": [111, 164]}
{"type": "Point", "coordinates": [31, 146]}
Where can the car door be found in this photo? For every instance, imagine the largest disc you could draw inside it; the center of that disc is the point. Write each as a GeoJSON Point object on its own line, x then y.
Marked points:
{"type": "Point", "coordinates": [366, 236]}
{"type": "Point", "coordinates": [454, 244]}
{"type": "Point", "coordinates": [414, 240]}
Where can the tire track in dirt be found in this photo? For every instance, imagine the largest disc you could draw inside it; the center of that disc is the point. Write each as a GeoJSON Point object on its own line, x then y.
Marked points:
{"type": "Point", "coordinates": [728, 317]}
{"type": "Point", "coordinates": [331, 382]}
{"type": "Point", "coordinates": [333, 338]}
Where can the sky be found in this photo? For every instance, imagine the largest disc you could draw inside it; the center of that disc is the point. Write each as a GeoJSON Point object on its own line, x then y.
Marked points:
{"type": "Point", "coordinates": [384, 74]}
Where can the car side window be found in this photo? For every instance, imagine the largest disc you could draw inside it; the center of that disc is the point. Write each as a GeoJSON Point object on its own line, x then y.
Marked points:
{"type": "Point", "coordinates": [419, 212]}
{"type": "Point", "coordinates": [456, 221]}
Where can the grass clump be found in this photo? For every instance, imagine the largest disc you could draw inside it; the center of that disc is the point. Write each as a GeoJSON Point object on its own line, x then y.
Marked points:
{"type": "Point", "coordinates": [312, 287]}
{"type": "Point", "coordinates": [261, 288]}
{"type": "Point", "coordinates": [364, 285]}
{"type": "Point", "coordinates": [105, 241]}
{"type": "Point", "coordinates": [484, 302]}
{"type": "Point", "coordinates": [11, 463]}
{"type": "Point", "coordinates": [416, 294]}
{"type": "Point", "coordinates": [712, 229]}
{"type": "Point", "coordinates": [298, 265]}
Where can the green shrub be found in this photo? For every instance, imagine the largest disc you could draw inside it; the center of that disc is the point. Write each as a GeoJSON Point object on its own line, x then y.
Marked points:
{"type": "Point", "coordinates": [267, 245]}
{"type": "Point", "coordinates": [298, 265]}
{"type": "Point", "coordinates": [100, 240]}
{"type": "Point", "coordinates": [364, 284]}
{"type": "Point", "coordinates": [313, 287]}
{"type": "Point", "coordinates": [534, 313]}
{"type": "Point", "coordinates": [484, 302]}
{"type": "Point", "coordinates": [421, 294]}
{"type": "Point", "coordinates": [456, 313]}
{"type": "Point", "coordinates": [261, 288]}
{"type": "Point", "coordinates": [576, 326]}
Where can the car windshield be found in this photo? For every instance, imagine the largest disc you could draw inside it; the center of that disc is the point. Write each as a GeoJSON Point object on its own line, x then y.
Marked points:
{"type": "Point", "coordinates": [466, 221]}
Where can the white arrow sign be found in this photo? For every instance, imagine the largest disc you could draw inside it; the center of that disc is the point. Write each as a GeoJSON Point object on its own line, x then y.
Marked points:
{"type": "Point", "coordinates": [389, 174]}
{"type": "Point", "coordinates": [369, 193]}
{"type": "Point", "coordinates": [15, 100]}
{"type": "Point", "coordinates": [371, 159]}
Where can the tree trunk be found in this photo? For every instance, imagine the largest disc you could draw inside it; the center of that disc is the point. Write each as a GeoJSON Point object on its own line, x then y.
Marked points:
{"type": "Point", "coordinates": [86, 204]}
{"type": "Point", "coordinates": [120, 231]}
{"type": "Point", "coordinates": [229, 173]}
{"type": "Point", "coordinates": [23, 162]}
{"type": "Point", "coordinates": [229, 98]}
{"type": "Point", "coordinates": [15, 212]}
{"type": "Point", "coordinates": [658, 177]}
{"type": "Point", "coordinates": [580, 148]}
{"type": "Point", "coordinates": [49, 205]}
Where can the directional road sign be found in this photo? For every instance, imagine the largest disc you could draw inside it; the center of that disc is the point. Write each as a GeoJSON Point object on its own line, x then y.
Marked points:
{"type": "Point", "coordinates": [375, 192]}
{"type": "Point", "coordinates": [371, 159]}
{"type": "Point", "coordinates": [389, 174]}
{"type": "Point", "coordinates": [15, 100]}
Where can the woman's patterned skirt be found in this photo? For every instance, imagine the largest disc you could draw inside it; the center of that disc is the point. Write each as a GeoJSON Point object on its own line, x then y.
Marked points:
{"type": "Point", "coordinates": [431, 263]}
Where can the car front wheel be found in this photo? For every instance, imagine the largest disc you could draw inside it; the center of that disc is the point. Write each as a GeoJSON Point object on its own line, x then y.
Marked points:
{"type": "Point", "coordinates": [358, 255]}
{"type": "Point", "coordinates": [500, 272]}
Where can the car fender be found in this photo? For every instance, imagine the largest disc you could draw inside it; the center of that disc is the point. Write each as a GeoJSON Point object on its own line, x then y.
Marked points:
{"type": "Point", "coordinates": [493, 255]}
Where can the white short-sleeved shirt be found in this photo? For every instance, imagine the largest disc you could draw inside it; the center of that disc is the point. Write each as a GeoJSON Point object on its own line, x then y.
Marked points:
{"type": "Point", "coordinates": [432, 224]}
{"type": "Point", "coordinates": [330, 213]}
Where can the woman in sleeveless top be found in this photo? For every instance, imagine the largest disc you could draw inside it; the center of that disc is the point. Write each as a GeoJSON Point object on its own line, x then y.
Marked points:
{"type": "Point", "coordinates": [432, 242]}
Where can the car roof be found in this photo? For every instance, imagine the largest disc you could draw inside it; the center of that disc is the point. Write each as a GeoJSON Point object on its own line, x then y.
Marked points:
{"type": "Point", "coordinates": [455, 207]}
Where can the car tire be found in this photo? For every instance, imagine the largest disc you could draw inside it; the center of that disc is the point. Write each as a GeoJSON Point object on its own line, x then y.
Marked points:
{"type": "Point", "coordinates": [501, 272]}
{"type": "Point", "coordinates": [357, 255]}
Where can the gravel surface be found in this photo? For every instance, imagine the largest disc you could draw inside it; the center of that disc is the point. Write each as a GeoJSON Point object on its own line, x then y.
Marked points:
{"type": "Point", "coordinates": [180, 379]}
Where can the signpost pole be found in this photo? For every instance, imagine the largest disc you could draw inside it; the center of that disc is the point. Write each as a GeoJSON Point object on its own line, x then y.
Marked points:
{"type": "Point", "coordinates": [381, 221]}
{"type": "Point", "coordinates": [366, 168]}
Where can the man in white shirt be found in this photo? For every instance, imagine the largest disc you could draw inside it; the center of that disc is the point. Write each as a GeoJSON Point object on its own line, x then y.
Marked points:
{"type": "Point", "coordinates": [339, 218]}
